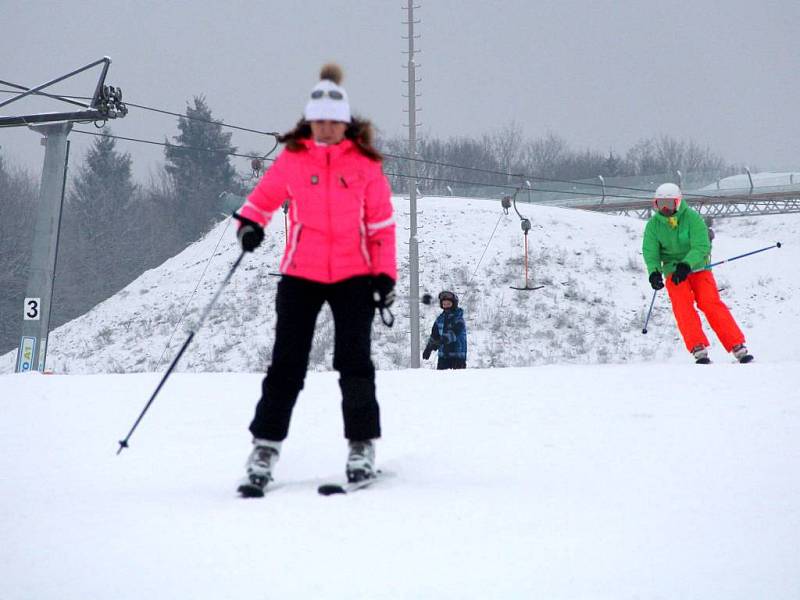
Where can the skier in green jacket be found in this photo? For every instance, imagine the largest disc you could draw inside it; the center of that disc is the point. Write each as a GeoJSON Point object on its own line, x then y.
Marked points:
{"type": "Point", "coordinates": [676, 244]}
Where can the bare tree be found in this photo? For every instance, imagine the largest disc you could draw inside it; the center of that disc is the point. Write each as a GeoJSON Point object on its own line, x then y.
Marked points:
{"type": "Point", "coordinates": [543, 156]}
{"type": "Point", "coordinates": [665, 154]}
{"type": "Point", "coordinates": [506, 146]}
{"type": "Point", "coordinates": [482, 164]}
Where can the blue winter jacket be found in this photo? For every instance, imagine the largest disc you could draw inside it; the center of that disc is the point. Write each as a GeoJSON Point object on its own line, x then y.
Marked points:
{"type": "Point", "coordinates": [449, 334]}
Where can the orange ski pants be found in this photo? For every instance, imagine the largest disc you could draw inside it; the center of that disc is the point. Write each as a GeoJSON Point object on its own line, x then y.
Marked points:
{"type": "Point", "coordinates": [701, 288]}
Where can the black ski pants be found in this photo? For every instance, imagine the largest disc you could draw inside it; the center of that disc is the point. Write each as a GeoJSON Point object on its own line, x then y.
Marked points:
{"type": "Point", "coordinates": [298, 303]}
{"type": "Point", "coordinates": [451, 363]}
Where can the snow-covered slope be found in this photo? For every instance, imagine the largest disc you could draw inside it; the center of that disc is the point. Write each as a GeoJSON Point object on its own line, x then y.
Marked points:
{"type": "Point", "coordinates": [604, 482]}
{"type": "Point", "coordinates": [591, 309]}
{"type": "Point", "coordinates": [569, 479]}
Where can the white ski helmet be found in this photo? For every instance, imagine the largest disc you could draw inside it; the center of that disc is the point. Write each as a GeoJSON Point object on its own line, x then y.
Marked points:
{"type": "Point", "coordinates": [668, 195]}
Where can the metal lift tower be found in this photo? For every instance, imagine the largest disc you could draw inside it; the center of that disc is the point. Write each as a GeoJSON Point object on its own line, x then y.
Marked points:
{"type": "Point", "coordinates": [106, 103]}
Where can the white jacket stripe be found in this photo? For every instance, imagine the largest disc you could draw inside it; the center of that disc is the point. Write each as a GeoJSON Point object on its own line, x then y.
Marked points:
{"type": "Point", "coordinates": [380, 224]}
{"type": "Point", "coordinates": [264, 213]}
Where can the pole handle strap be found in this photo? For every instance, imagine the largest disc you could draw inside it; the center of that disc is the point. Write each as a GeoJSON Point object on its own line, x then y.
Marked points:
{"type": "Point", "coordinates": [387, 320]}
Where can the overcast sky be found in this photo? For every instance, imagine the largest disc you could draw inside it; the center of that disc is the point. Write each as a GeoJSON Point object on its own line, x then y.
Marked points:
{"type": "Point", "coordinates": [601, 74]}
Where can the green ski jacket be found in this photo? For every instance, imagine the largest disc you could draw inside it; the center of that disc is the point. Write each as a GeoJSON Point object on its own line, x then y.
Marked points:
{"type": "Point", "coordinates": [680, 238]}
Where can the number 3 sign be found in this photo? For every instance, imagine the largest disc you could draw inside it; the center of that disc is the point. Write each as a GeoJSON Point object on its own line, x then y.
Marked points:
{"type": "Point", "coordinates": [32, 309]}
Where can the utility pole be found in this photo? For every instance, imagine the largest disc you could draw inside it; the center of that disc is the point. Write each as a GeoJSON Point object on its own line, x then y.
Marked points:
{"type": "Point", "coordinates": [413, 242]}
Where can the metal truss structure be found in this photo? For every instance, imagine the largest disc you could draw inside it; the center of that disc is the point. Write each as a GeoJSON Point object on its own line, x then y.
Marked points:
{"type": "Point", "coordinates": [767, 203]}
{"type": "Point", "coordinates": [106, 102]}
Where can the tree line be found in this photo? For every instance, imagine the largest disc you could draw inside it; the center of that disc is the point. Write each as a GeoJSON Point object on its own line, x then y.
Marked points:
{"type": "Point", "coordinates": [507, 151]}
{"type": "Point", "coordinates": [113, 229]}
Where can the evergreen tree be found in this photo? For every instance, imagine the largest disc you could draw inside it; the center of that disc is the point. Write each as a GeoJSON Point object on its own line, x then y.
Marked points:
{"type": "Point", "coordinates": [102, 188]}
{"type": "Point", "coordinates": [95, 257]}
{"type": "Point", "coordinates": [199, 166]}
{"type": "Point", "coordinates": [613, 165]}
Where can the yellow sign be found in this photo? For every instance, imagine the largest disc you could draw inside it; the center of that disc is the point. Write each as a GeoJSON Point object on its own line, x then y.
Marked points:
{"type": "Point", "coordinates": [27, 349]}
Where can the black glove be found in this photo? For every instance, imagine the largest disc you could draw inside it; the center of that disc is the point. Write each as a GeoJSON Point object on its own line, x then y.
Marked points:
{"type": "Point", "coordinates": [656, 281]}
{"type": "Point", "coordinates": [682, 271]}
{"type": "Point", "coordinates": [250, 234]}
{"type": "Point", "coordinates": [430, 347]}
{"type": "Point", "coordinates": [383, 290]}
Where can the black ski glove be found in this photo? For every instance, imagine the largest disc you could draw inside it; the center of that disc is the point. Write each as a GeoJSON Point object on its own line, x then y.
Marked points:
{"type": "Point", "coordinates": [383, 290]}
{"type": "Point", "coordinates": [426, 354]}
{"type": "Point", "coordinates": [250, 234]}
{"type": "Point", "coordinates": [656, 281]}
{"type": "Point", "coordinates": [682, 271]}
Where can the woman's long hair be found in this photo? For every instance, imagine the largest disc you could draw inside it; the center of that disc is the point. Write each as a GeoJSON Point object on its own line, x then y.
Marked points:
{"type": "Point", "coordinates": [359, 131]}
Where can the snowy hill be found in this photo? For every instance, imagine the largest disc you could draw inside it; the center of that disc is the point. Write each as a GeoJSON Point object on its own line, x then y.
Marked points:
{"type": "Point", "coordinates": [591, 309]}
{"type": "Point", "coordinates": [570, 479]}
{"type": "Point", "coordinates": [605, 482]}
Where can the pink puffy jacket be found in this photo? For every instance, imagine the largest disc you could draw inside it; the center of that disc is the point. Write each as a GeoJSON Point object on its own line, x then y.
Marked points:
{"type": "Point", "coordinates": [340, 212]}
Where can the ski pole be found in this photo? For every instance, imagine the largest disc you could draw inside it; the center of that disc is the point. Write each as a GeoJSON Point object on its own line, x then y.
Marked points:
{"type": "Point", "coordinates": [647, 320]}
{"type": "Point", "coordinates": [124, 443]}
{"type": "Point", "coordinates": [775, 245]}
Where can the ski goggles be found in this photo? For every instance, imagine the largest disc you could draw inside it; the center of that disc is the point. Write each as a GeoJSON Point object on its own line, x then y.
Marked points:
{"type": "Point", "coordinates": [332, 94]}
{"type": "Point", "coordinates": [666, 203]}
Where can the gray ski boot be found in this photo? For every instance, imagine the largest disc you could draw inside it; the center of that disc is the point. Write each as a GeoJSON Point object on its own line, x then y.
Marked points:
{"type": "Point", "coordinates": [360, 460]}
{"type": "Point", "coordinates": [259, 467]}
{"type": "Point", "coordinates": [701, 355]}
{"type": "Point", "coordinates": [741, 354]}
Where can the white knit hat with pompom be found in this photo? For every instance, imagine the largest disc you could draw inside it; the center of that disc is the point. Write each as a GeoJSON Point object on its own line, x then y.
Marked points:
{"type": "Point", "coordinates": [328, 100]}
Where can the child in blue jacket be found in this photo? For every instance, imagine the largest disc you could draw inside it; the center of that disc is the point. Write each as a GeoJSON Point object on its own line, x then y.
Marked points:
{"type": "Point", "coordinates": [448, 335]}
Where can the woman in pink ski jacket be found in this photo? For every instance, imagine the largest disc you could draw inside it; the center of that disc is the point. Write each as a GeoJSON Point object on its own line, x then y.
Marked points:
{"type": "Point", "coordinates": [340, 250]}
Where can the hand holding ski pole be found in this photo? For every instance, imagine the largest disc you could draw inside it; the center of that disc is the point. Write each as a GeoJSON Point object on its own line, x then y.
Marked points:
{"type": "Point", "coordinates": [250, 233]}
{"type": "Point", "coordinates": [656, 280]}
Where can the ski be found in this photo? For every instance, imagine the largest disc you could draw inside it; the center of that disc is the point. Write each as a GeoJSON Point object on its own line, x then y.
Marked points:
{"type": "Point", "coordinates": [253, 486]}
{"type": "Point", "coordinates": [256, 487]}
{"type": "Point", "coordinates": [329, 489]}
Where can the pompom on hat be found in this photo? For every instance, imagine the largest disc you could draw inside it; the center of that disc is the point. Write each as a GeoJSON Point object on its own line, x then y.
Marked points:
{"type": "Point", "coordinates": [328, 100]}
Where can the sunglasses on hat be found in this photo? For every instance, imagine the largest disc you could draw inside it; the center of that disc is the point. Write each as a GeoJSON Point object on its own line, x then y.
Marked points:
{"type": "Point", "coordinates": [332, 94]}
